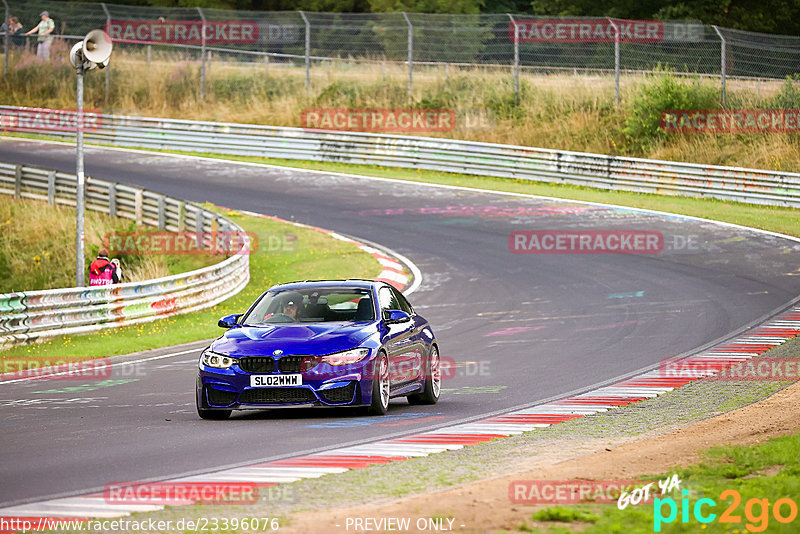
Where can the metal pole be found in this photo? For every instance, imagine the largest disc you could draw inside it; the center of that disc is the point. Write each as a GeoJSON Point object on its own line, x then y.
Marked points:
{"type": "Point", "coordinates": [108, 67]}
{"type": "Point", "coordinates": [723, 65]}
{"type": "Point", "coordinates": [308, 49]}
{"type": "Point", "coordinates": [516, 57]}
{"type": "Point", "coordinates": [203, 54]}
{"type": "Point", "coordinates": [79, 262]}
{"type": "Point", "coordinates": [6, 42]}
{"type": "Point", "coordinates": [616, 61]}
{"type": "Point", "coordinates": [410, 53]}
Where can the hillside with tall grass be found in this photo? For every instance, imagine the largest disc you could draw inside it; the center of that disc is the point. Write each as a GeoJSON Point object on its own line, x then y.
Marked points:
{"type": "Point", "coordinates": [564, 111]}
{"type": "Point", "coordinates": [37, 247]}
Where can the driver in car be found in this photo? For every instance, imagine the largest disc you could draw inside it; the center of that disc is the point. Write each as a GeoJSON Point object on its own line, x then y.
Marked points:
{"type": "Point", "coordinates": [290, 309]}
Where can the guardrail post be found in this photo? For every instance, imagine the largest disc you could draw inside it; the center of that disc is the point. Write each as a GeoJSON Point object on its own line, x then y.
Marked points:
{"type": "Point", "coordinates": [202, 53]}
{"type": "Point", "coordinates": [138, 208]}
{"type": "Point", "coordinates": [181, 216]}
{"type": "Point", "coordinates": [308, 49]}
{"type": "Point", "coordinates": [616, 60]}
{"type": "Point", "coordinates": [6, 41]}
{"type": "Point", "coordinates": [112, 199]}
{"type": "Point", "coordinates": [266, 63]}
{"type": "Point", "coordinates": [108, 67]}
{"type": "Point", "coordinates": [410, 53]}
{"type": "Point", "coordinates": [149, 54]}
{"type": "Point", "coordinates": [198, 227]}
{"type": "Point", "coordinates": [162, 219]}
{"type": "Point", "coordinates": [17, 181]}
{"type": "Point", "coordinates": [516, 57]}
{"type": "Point", "coordinates": [51, 188]}
{"type": "Point", "coordinates": [723, 65]}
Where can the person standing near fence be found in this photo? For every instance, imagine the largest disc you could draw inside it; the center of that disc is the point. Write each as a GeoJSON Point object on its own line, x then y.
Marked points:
{"type": "Point", "coordinates": [103, 272]}
{"type": "Point", "coordinates": [45, 30]}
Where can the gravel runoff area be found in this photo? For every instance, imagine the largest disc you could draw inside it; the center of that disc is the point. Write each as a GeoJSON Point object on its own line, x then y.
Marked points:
{"type": "Point", "coordinates": [398, 482]}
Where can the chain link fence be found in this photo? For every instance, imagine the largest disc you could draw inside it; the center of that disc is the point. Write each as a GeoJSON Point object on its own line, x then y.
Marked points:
{"type": "Point", "coordinates": [413, 43]}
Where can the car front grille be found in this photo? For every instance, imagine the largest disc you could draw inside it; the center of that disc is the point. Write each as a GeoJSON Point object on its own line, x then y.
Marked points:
{"type": "Point", "coordinates": [218, 397]}
{"type": "Point", "coordinates": [339, 395]}
{"type": "Point", "coordinates": [277, 396]}
{"type": "Point", "coordinates": [290, 364]}
{"type": "Point", "coordinates": [257, 364]}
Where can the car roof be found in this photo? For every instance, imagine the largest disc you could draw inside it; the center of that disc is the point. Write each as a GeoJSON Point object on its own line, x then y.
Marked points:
{"type": "Point", "coordinates": [353, 283]}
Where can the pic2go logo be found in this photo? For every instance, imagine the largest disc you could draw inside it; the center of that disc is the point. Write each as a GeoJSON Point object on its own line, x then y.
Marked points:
{"type": "Point", "coordinates": [756, 511]}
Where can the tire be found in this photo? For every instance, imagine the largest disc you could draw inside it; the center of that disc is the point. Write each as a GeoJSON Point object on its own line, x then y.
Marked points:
{"type": "Point", "coordinates": [433, 381]}
{"type": "Point", "coordinates": [380, 386]}
{"type": "Point", "coordinates": [210, 415]}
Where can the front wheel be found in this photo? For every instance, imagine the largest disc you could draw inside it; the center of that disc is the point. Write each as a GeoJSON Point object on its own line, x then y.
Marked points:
{"type": "Point", "coordinates": [380, 386]}
{"type": "Point", "coordinates": [433, 381]}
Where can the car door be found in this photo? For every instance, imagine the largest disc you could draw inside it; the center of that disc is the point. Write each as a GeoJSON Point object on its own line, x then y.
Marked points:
{"type": "Point", "coordinates": [418, 342]}
{"type": "Point", "coordinates": [397, 340]}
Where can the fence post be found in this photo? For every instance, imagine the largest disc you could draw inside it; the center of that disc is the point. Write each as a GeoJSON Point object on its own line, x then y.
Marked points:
{"type": "Point", "coordinates": [266, 63]}
{"type": "Point", "coordinates": [17, 181]}
{"type": "Point", "coordinates": [616, 60]}
{"type": "Point", "coordinates": [410, 53]}
{"type": "Point", "coordinates": [308, 49]}
{"type": "Point", "coordinates": [112, 199]}
{"type": "Point", "coordinates": [723, 65]}
{"type": "Point", "coordinates": [108, 67]}
{"type": "Point", "coordinates": [149, 54]}
{"type": "Point", "coordinates": [202, 53]}
{"type": "Point", "coordinates": [51, 188]}
{"type": "Point", "coordinates": [6, 41]}
{"type": "Point", "coordinates": [516, 57]}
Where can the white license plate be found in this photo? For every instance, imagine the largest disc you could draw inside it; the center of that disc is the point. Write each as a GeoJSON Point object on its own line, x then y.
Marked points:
{"type": "Point", "coordinates": [274, 381]}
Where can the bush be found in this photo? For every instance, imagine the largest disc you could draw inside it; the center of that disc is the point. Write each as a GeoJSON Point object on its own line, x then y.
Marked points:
{"type": "Point", "coordinates": [642, 127]}
{"type": "Point", "coordinates": [789, 95]}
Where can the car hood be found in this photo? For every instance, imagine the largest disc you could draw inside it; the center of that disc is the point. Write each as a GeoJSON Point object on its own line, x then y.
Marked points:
{"type": "Point", "coordinates": [314, 339]}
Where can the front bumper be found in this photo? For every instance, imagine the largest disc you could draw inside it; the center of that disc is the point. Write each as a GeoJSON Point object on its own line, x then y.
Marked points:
{"type": "Point", "coordinates": [324, 385]}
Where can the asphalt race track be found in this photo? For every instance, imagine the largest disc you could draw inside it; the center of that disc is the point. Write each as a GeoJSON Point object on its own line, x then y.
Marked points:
{"type": "Point", "coordinates": [539, 325]}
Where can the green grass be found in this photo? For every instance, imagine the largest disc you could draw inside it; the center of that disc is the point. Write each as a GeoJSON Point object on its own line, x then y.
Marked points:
{"type": "Point", "coordinates": [766, 470]}
{"type": "Point", "coordinates": [316, 256]}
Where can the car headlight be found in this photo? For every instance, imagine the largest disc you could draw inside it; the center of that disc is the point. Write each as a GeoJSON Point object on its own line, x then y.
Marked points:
{"type": "Point", "coordinates": [220, 361]}
{"type": "Point", "coordinates": [346, 357]}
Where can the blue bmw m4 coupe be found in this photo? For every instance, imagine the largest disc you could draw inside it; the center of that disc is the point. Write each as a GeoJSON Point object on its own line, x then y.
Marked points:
{"type": "Point", "coordinates": [321, 343]}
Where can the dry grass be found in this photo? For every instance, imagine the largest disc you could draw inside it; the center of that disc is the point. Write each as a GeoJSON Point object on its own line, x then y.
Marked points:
{"type": "Point", "coordinates": [37, 247]}
{"type": "Point", "coordinates": [565, 110]}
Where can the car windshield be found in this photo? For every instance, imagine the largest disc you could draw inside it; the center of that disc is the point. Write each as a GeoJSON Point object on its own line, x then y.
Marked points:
{"type": "Point", "coordinates": [312, 305]}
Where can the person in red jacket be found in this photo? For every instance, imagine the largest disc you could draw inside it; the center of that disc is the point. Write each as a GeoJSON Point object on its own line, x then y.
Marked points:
{"type": "Point", "coordinates": [102, 272]}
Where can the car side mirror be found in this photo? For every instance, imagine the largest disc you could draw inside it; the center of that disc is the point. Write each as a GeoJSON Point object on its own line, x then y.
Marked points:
{"type": "Point", "coordinates": [396, 316]}
{"type": "Point", "coordinates": [229, 321]}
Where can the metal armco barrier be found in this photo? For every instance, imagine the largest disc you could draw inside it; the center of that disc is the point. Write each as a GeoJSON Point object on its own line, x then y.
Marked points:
{"type": "Point", "coordinates": [32, 316]}
{"type": "Point", "coordinates": [467, 157]}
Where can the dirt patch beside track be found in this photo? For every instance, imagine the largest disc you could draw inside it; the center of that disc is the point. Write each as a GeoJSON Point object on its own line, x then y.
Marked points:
{"type": "Point", "coordinates": [484, 506]}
